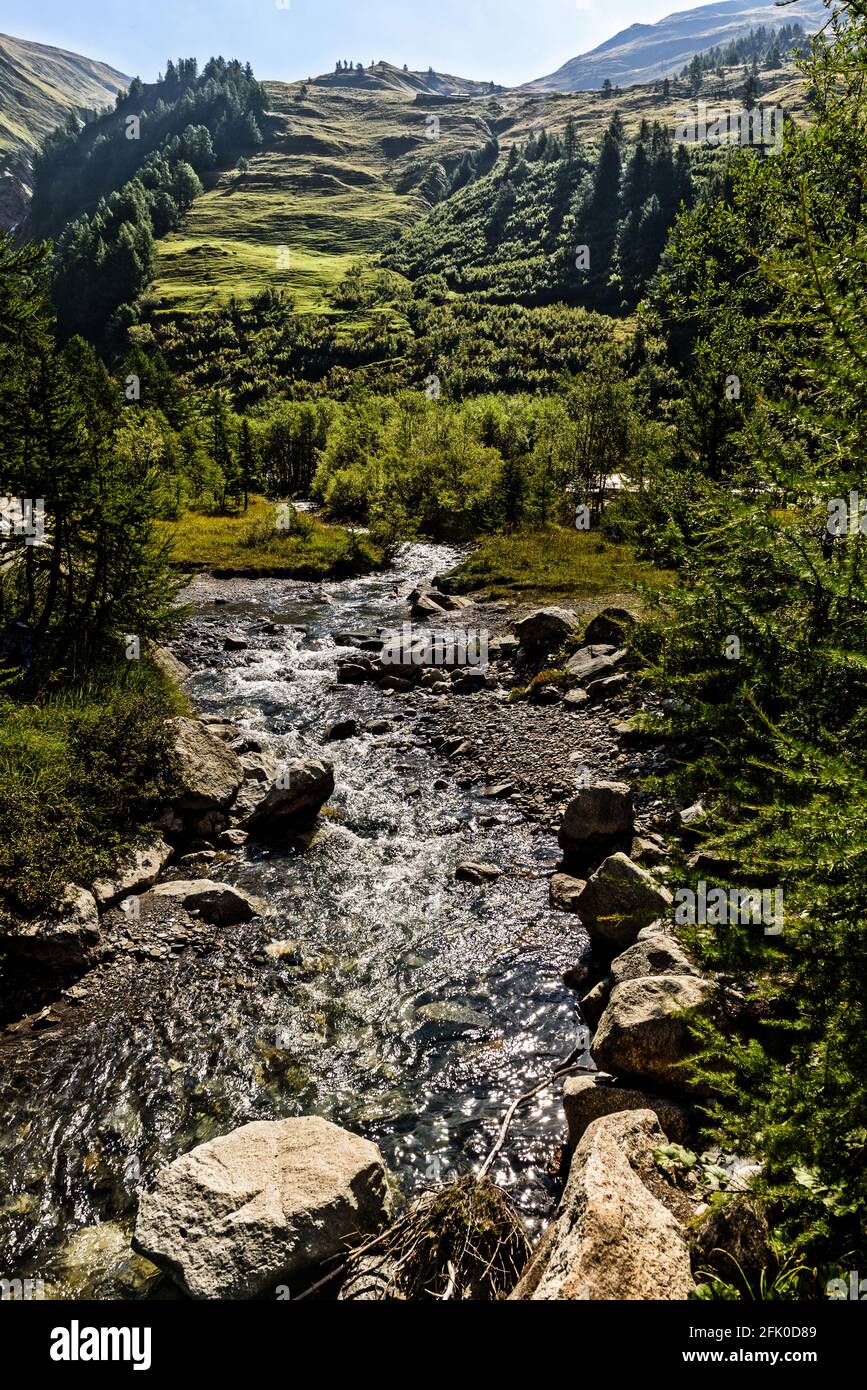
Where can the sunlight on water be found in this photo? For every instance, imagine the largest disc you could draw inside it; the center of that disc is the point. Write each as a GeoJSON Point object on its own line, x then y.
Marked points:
{"type": "Point", "coordinates": [409, 1007]}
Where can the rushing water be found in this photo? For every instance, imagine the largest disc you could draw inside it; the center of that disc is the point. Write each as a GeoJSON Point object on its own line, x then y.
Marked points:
{"type": "Point", "coordinates": [410, 1007]}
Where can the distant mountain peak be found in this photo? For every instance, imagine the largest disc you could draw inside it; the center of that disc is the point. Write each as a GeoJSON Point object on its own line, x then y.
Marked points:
{"type": "Point", "coordinates": [645, 52]}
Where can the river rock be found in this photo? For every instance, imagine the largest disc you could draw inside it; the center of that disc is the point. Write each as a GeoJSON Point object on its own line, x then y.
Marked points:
{"type": "Point", "coordinates": [294, 800]}
{"type": "Point", "coordinates": [209, 773]}
{"type": "Point", "coordinates": [219, 903]}
{"type": "Point", "coordinates": [591, 663]}
{"type": "Point", "coordinates": [240, 1214]}
{"type": "Point", "coordinates": [341, 729]}
{"type": "Point", "coordinates": [564, 892]}
{"type": "Point", "coordinates": [235, 642]}
{"type": "Point", "coordinates": [169, 664]}
{"type": "Point", "coordinates": [612, 1238]}
{"type": "Point", "coordinates": [597, 815]}
{"type": "Point", "coordinates": [427, 606]}
{"type": "Point", "coordinates": [356, 672]}
{"type": "Point", "coordinates": [259, 767]}
{"type": "Point", "coordinates": [471, 872]}
{"type": "Point", "coordinates": [471, 680]}
{"type": "Point", "coordinates": [233, 839]}
{"type": "Point", "coordinates": [575, 699]}
{"type": "Point", "coordinates": [64, 939]}
{"type": "Point", "coordinates": [595, 1001]}
{"type": "Point", "coordinates": [607, 688]}
{"type": "Point", "coordinates": [545, 629]}
{"type": "Point", "coordinates": [620, 899]}
{"type": "Point", "coordinates": [609, 626]}
{"type": "Point", "coordinates": [136, 876]}
{"type": "Point", "coordinates": [642, 1033]}
{"type": "Point", "coordinates": [652, 954]}
{"type": "Point", "coordinates": [586, 1098]}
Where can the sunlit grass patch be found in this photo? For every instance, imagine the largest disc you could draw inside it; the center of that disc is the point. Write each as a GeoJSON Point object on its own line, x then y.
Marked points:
{"type": "Point", "coordinates": [251, 543]}
{"type": "Point", "coordinates": [558, 564]}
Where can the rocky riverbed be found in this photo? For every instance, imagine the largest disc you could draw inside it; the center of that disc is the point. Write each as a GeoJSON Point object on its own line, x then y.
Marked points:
{"type": "Point", "coordinates": [357, 910]}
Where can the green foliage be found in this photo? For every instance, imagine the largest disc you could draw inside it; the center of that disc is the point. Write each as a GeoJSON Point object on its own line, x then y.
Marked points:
{"type": "Point", "coordinates": [769, 283]}
{"type": "Point", "coordinates": [82, 775]}
{"type": "Point", "coordinates": [98, 572]}
{"type": "Point", "coordinates": [105, 225]}
{"type": "Point", "coordinates": [513, 236]}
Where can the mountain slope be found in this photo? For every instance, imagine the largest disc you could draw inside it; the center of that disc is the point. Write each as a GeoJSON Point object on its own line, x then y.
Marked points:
{"type": "Point", "coordinates": [38, 86]}
{"type": "Point", "coordinates": [647, 51]}
{"type": "Point", "coordinates": [341, 168]}
{"type": "Point", "coordinates": [387, 77]}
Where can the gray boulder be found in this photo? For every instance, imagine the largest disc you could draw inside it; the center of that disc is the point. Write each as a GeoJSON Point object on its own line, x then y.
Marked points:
{"type": "Point", "coordinates": [341, 729]}
{"type": "Point", "coordinates": [238, 1215]}
{"type": "Point", "coordinates": [652, 954]}
{"type": "Point", "coordinates": [597, 815]}
{"type": "Point", "coordinates": [643, 1033]}
{"type": "Point", "coordinates": [138, 874]}
{"type": "Point", "coordinates": [620, 899]}
{"type": "Point", "coordinates": [209, 773]}
{"type": "Point", "coordinates": [169, 664]}
{"type": "Point", "coordinates": [215, 902]}
{"type": "Point", "coordinates": [610, 626]}
{"type": "Point", "coordinates": [612, 1238]}
{"type": "Point", "coordinates": [64, 939]}
{"type": "Point", "coordinates": [586, 1098]}
{"type": "Point", "coordinates": [294, 800]}
{"type": "Point", "coordinates": [564, 892]}
{"type": "Point", "coordinates": [545, 629]}
{"type": "Point", "coordinates": [592, 663]}
{"type": "Point", "coordinates": [471, 872]}
{"type": "Point", "coordinates": [607, 688]}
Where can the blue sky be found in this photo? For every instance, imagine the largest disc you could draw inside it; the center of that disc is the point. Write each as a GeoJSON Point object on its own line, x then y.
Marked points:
{"type": "Point", "coordinates": [508, 41]}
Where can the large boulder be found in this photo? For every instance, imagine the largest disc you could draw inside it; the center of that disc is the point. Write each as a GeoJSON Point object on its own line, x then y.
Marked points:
{"type": "Point", "coordinates": [209, 773]}
{"type": "Point", "coordinates": [643, 1031]}
{"type": "Point", "coordinates": [545, 629]}
{"type": "Point", "coordinates": [242, 1213]}
{"type": "Point", "coordinates": [63, 939]}
{"type": "Point", "coordinates": [612, 1238]}
{"type": "Point", "coordinates": [609, 626]}
{"type": "Point", "coordinates": [598, 815]}
{"type": "Point", "coordinates": [620, 899]}
{"type": "Point", "coordinates": [293, 800]}
{"type": "Point", "coordinates": [586, 1098]}
{"type": "Point", "coordinates": [170, 665]}
{"type": "Point", "coordinates": [215, 902]}
{"type": "Point", "coordinates": [139, 872]}
{"type": "Point", "coordinates": [656, 953]}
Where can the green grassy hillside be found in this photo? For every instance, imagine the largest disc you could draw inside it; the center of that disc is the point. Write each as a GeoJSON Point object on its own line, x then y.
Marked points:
{"type": "Point", "coordinates": [340, 168]}
{"type": "Point", "coordinates": [343, 166]}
